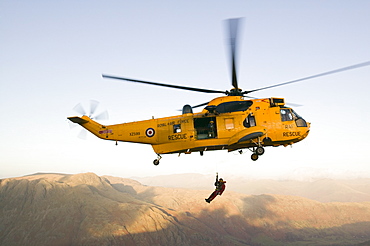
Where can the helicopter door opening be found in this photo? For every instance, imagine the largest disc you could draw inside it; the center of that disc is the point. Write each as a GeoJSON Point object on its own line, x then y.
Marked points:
{"type": "Point", "coordinates": [205, 128]}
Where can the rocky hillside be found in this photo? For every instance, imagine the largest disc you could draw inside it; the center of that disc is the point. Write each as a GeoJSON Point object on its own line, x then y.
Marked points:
{"type": "Point", "coordinates": [85, 209]}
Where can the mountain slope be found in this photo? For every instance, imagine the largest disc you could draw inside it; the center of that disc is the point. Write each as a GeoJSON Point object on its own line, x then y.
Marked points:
{"type": "Point", "coordinates": [85, 209]}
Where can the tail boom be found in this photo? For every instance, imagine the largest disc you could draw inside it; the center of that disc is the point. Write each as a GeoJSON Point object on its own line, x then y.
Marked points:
{"type": "Point", "coordinates": [126, 132]}
{"type": "Point", "coordinates": [94, 127]}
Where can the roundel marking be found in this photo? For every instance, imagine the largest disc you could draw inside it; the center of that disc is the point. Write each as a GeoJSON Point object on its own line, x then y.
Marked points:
{"type": "Point", "coordinates": [150, 132]}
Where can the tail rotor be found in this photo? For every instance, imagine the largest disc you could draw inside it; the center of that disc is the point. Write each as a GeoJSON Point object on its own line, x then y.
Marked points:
{"type": "Point", "coordinates": [92, 113]}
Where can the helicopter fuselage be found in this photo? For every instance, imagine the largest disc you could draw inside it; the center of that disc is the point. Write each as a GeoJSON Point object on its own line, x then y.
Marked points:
{"type": "Point", "coordinates": [229, 123]}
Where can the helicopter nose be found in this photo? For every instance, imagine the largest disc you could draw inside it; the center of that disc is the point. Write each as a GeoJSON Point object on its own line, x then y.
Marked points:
{"type": "Point", "coordinates": [307, 131]}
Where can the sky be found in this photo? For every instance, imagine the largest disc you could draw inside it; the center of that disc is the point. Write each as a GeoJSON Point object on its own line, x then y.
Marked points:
{"type": "Point", "coordinates": [53, 53]}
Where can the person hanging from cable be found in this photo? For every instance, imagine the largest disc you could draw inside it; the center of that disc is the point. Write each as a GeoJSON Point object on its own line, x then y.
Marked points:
{"type": "Point", "coordinates": [220, 187]}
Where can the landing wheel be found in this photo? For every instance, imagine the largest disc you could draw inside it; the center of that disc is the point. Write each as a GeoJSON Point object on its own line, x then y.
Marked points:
{"type": "Point", "coordinates": [156, 161]}
{"type": "Point", "coordinates": [260, 150]}
{"type": "Point", "coordinates": [254, 157]}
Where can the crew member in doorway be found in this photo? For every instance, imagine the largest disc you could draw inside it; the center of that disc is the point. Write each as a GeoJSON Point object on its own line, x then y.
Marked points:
{"type": "Point", "coordinates": [211, 129]}
{"type": "Point", "coordinates": [220, 187]}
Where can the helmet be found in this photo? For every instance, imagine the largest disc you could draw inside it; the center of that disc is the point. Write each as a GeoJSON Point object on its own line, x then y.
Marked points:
{"type": "Point", "coordinates": [221, 179]}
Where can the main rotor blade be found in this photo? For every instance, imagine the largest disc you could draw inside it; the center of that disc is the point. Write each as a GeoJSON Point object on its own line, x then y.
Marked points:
{"type": "Point", "coordinates": [165, 85]}
{"type": "Point", "coordinates": [200, 105]}
{"type": "Point", "coordinates": [233, 36]}
{"type": "Point", "coordinates": [364, 64]}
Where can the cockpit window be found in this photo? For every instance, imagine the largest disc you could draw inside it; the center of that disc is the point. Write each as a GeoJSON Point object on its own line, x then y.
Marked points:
{"type": "Point", "coordinates": [295, 115]}
{"type": "Point", "coordinates": [299, 121]}
{"type": "Point", "coordinates": [235, 106]}
{"type": "Point", "coordinates": [286, 114]}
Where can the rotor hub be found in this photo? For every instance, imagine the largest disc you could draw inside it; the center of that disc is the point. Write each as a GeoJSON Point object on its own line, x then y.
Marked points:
{"type": "Point", "coordinates": [235, 92]}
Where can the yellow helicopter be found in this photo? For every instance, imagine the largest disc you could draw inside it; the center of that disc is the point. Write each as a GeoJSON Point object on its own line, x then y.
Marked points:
{"type": "Point", "coordinates": [233, 122]}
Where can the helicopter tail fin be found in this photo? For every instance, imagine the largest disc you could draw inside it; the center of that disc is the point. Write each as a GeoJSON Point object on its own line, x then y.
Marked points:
{"type": "Point", "coordinates": [77, 120]}
{"type": "Point", "coordinates": [92, 126]}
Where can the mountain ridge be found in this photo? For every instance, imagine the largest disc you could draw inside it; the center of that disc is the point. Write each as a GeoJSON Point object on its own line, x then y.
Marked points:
{"type": "Point", "coordinates": [86, 209]}
{"type": "Point", "coordinates": [322, 189]}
